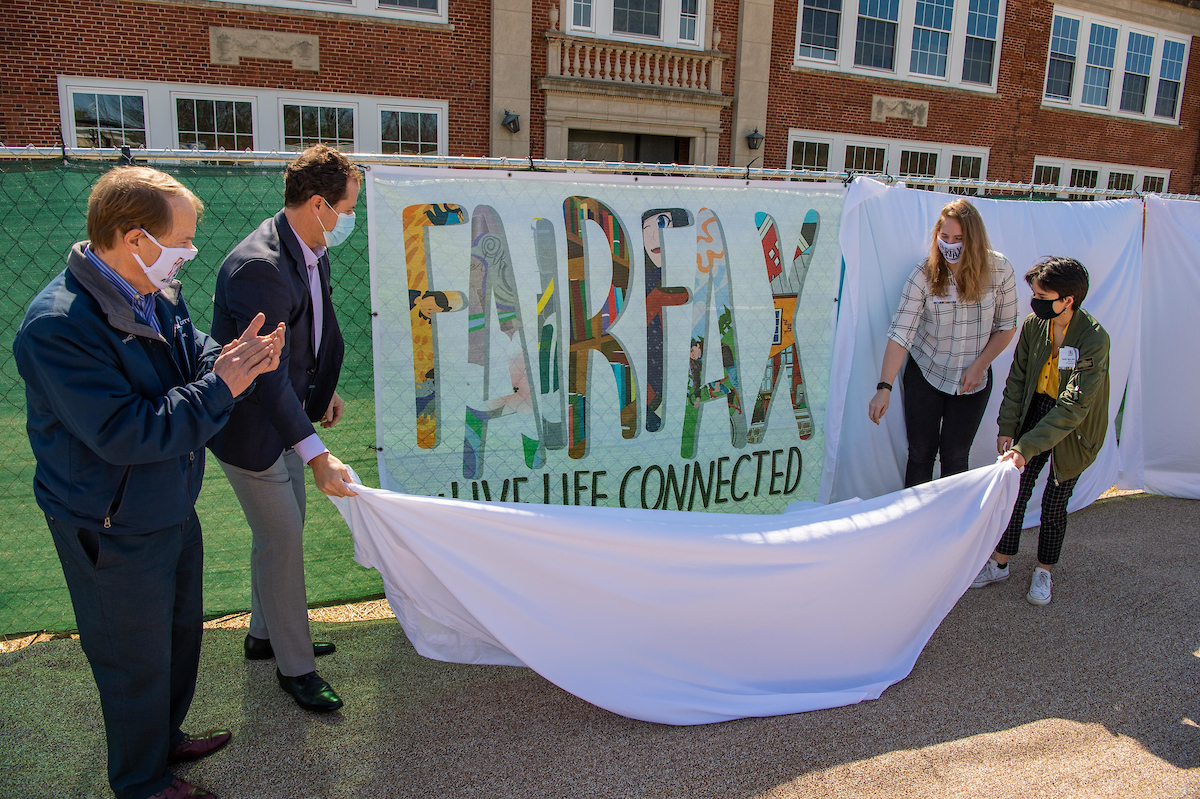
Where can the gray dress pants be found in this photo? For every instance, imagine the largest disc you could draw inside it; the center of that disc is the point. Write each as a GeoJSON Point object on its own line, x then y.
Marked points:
{"type": "Point", "coordinates": [273, 501]}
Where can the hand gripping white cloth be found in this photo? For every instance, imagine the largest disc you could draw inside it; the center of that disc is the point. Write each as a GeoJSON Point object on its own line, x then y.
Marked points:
{"type": "Point", "coordinates": [686, 618]}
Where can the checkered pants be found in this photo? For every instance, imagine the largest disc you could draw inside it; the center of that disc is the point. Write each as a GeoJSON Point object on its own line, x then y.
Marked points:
{"type": "Point", "coordinates": [1054, 500]}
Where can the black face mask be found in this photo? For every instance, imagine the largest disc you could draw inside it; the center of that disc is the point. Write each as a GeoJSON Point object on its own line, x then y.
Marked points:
{"type": "Point", "coordinates": [1044, 309]}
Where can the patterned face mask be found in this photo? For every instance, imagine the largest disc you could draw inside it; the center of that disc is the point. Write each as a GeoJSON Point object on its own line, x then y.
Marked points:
{"type": "Point", "coordinates": [951, 252]}
{"type": "Point", "coordinates": [164, 269]}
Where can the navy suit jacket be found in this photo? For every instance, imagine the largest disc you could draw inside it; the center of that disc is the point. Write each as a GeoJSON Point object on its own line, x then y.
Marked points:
{"type": "Point", "coordinates": [266, 272]}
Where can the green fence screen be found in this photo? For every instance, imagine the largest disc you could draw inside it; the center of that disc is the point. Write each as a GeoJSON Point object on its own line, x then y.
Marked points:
{"type": "Point", "coordinates": [43, 209]}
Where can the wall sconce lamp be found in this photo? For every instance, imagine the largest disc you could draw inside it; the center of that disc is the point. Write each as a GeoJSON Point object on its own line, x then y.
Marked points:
{"type": "Point", "coordinates": [511, 121]}
{"type": "Point", "coordinates": [753, 140]}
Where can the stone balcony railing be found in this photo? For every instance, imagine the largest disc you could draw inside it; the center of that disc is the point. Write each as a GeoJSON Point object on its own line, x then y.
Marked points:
{"type": "Point", "coordinates": [634, 65]}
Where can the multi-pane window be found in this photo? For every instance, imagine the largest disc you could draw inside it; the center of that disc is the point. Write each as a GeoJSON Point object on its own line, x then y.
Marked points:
{"type": "Point", "coordinates": [875, 42]}
{"type": "Point", "coordinates": [865, 159]}
{"type": "Point", "coordinates": [409, 132]}
{"type": "Point", "coordinates": [965, 167]}
{"type": "Point", "coordinates": [689, 16]}
{"type": "Point", "coordinates": [938, 42]}
{"type": "Point", "coordinates": [1120, 181]}
{"type": "Point", "coordinates": [581, 14]}
{"type": "Point", "coordinates": [305, 125]}
{"type": "Point", "coordinates": [434, 11]}
{"type": "Point", "coordinates": [914, 163]}
{"type": "Point", "coordinates": [640, 17]}
{"type": "Point", "coordinates": [204, 124]}
{"type": "Point", "coordinates": [1138, 55]}
{"type": "Point", "coordinates": [819, 25]}
{"type": "Point", "coordinates": [1046, 176]}
{"type": "Point", "coordinates": [1151, 65]}
{"type": "Point", "coordinates": [1064, 41]}
{"type": "Point", "coordinates": [1083, 179]}
{"type": "Point", "coordinates": [1097, 75]}
{"type": "Point", "coordinates": [810, 155]}
{"type": "Point", "coordinates": [1169, 78]}
{"type": "Point", "coordinates": [1061, 176]}
{"type": "Point", "coordinates": [674, 23]}
{"type": "Point", "coordinates": [167, 116]}
{"type": "Point", "coordinates": [108, 120]}
{"type": "Point", "coordinates": [980, 55]}
{"type": "Point", "coordinates": [931, 37]}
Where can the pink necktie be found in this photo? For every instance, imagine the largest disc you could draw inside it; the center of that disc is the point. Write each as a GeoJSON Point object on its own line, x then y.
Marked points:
{"type": "Point", "coordinates": [314, 288]}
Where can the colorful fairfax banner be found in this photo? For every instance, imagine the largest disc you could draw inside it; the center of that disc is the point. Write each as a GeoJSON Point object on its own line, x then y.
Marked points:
{"type": "Point", "coordinates": [532, 342]}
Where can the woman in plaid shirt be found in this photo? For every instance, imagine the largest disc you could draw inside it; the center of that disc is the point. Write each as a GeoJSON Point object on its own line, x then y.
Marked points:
{"type": "Point", "coordinates": [958, 312]}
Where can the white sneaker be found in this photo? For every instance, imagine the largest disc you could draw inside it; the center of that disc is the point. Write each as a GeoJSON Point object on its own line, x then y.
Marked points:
{"type": "Point", "coordinates": [990, 573]}
{"type": "Point", "coordinates": [1039, 587]}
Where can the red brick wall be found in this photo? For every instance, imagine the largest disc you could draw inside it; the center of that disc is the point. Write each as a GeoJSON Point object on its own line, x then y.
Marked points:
{"type": "Point", "coordinates": [159, 42]}
{"type": "Point", "coordinates": [726, 18]}
{"type": "Point", "coordinates": [1011, 122]}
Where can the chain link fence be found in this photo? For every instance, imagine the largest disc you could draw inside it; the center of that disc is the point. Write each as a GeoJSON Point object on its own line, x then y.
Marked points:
{"type": "Point", "coordinates": [43, 207]}
{"type": "Point", "coordinates": [43, 203]}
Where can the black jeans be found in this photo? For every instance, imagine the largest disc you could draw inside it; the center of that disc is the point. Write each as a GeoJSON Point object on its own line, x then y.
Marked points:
{"type": "Point", "coordinates": [939, 424]}
{"type": "Point", "coordinates": [138, 604]}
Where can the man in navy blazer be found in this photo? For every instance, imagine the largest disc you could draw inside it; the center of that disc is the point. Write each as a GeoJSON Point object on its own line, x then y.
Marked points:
{"type": "Point", "coordinates": [282, 269]}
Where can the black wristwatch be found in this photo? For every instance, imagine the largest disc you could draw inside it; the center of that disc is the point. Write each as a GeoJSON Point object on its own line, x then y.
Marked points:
{"type": "Point", "coordinates": [882, 384]}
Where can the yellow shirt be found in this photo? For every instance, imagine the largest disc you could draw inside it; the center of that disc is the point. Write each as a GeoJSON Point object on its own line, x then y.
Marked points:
{"type": "Point", "coordinates": [1048, 378]}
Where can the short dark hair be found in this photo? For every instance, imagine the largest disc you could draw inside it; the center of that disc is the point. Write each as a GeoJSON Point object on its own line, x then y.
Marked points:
{"type": "Point", "coordinates": [129, 197]}
{"type": "Point", "coordinates": [320, 170]}
{"type": "Point", "coordinates": [1060, 274]}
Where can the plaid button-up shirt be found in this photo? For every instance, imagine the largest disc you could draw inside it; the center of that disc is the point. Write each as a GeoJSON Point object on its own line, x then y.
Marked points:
{"type": "Point", "coordinates": [944, 335]}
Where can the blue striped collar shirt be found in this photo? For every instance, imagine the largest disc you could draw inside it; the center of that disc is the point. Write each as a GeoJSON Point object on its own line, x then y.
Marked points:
{"type": "Point", "coordinates": [142, 303]}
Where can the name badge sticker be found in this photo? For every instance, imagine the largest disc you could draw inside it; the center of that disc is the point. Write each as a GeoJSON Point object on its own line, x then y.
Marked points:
{"type": "Point", "coordinates": [1067, 357]}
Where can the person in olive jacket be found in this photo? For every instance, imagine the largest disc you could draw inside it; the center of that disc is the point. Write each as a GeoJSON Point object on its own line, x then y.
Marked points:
{"type": "Point", "coordinates": [1056, 408]}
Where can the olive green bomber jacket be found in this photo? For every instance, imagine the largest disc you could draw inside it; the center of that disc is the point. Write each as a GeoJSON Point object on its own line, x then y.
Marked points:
{"type": "Point", "coordinates": [1074, 430]}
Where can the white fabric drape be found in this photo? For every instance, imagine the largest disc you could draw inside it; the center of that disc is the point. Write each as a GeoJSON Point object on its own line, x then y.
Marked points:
{"type": "Point", "coordinates": [686, 618]}
{"type": "Point", "coordinates": [885, 233]}
{"type": "Point", "coordinates": [1170, 366]}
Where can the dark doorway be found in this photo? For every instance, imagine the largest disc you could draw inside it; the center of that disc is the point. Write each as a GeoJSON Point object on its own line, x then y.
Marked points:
{"type": "Point", "coordinates": [636, 148]}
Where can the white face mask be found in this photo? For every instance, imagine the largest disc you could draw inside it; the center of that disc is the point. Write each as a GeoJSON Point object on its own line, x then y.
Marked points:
{"type": "Point", "coordinates": [951, 252]}
{"type": "Point", "coordinates": [164, 269]}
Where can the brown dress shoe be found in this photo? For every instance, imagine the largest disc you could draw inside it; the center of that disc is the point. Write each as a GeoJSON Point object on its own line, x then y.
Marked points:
{"type": "Point", "coordinates": [196, 748]}
{"type": "Point", "coordinates": [178, 789]}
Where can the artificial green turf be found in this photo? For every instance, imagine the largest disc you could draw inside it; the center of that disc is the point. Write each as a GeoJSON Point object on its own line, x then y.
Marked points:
{"type": "Point", "coordinates": [43, 209]}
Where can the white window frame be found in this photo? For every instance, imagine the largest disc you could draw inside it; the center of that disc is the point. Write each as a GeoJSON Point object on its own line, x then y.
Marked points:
{"type": "Point", "coordinates": [324, 102]}
{"type": "Point", "coordinates": [847, 33]}
{"type": "Point", "coordinates": [602, 24]}
{"type": "Point", "coordinates": [162, 130]}
{"type": "Point", "coordinates": [838, 142]}
{"type": "Point", "coordinates": [370, 8]}
{"type": "Point", "coordinates": [67, 105]}
{"type": "Point", "coordinates": [1065, 165]}
{"type": "Point", "coordinates": [1113, 108]}
{"type": "Point", "coordinates": [442, 109]}
{"type": "Point", "coordinates": [208, 94]}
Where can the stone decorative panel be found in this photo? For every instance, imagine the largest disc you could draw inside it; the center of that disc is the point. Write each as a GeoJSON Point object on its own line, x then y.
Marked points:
{"type": "Point", "coordinates": [228, 45]}
{"type": "Point", "coordinates": [884, 108]}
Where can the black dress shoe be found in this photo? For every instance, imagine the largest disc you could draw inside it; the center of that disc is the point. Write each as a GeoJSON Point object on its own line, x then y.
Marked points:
{"type": "Point", "coordinates": [310, 691]}
{"type": "Point", "coordinates": [260, 648]}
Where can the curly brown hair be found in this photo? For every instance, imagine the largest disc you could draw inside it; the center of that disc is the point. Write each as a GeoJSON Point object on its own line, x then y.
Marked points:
{"type": "Point", "coordinates": [322, 171]}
